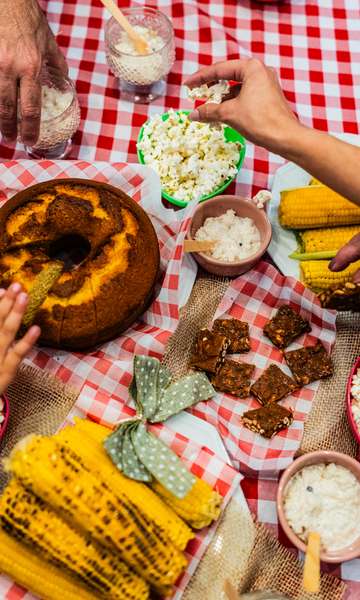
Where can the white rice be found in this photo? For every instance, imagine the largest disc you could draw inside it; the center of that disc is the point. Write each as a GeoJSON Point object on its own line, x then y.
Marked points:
{"type": "Point", "coordinates": [236, 237]}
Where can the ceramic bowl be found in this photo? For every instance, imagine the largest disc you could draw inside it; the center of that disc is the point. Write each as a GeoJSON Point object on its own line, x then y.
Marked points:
{"type": "Point", "coordinates": [315, 458]}
{"type": "Point", "coordinates": [243, 208]}
{"type": "Point", "coordinates": [354, 428]}
{"type": "Point", "coordinates": [6, 411]}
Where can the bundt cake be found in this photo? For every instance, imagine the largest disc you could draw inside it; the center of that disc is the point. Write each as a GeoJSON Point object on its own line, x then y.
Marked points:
{"type": "Point", "coordinates": [108, 248]}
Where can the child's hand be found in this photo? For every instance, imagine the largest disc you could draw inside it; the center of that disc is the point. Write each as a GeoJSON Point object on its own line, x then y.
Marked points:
{"type": "Point", "coordinates": [13, 303]}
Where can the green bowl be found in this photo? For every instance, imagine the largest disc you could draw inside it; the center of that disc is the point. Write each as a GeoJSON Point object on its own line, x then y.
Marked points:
{"type": "Point", "coordinates": [230, 136]}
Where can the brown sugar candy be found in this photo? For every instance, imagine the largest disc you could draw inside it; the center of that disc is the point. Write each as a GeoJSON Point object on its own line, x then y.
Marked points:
{"type": "Point", "coordinates": [236, 331]}
{"type": "Point", "coordinates": [272, 386]}
{"type": "Point", "coordinates": [309, 364]}
{"type": "Point", "coordinates": [285, 327]}
{"type": "Point", "coordinates": [234, 378]}
{"type": "Point", "coordinates": [268, 420]}
{"type": "Point", "coordinates": [345, 297]}
{"type": "Point", "coordinates": [209, 351]}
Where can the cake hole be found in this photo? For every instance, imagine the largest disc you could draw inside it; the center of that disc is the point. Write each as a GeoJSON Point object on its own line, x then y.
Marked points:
{"type": "Point", "coordinates": [70, 249]}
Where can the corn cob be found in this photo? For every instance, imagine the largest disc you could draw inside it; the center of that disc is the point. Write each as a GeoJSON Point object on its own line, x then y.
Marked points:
{"type": "Point", "coordinates": [316, 206]}
{"type": "Point", "coordinates": [56, 474]}
{"type": "Point", "coordinates": [314, 181]}
{"type": "Point", "coordinates": [322, 240]}
{"type": "Point", "coordinates": [95, 458]}
{"type": "Point", "coordinates": [31, 571]}
{"type": "Point", "coordinates": [199, 508]}
{"type": "Point", "coordinates": [28, 519]}
{"type": "Point", "coordinates": [40, 289]}
{"type": "Point", "coordinates": [316, 274]}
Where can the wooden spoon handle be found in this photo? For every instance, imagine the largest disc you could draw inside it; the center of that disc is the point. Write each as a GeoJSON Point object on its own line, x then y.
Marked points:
{"type": "Point", "coordinates": [197, 246]}
{"type": "Point", "coordinates": [230, 591]}
{"type": "Point", "coordinates": [311, 575]}
{"type": "Point", "coordinates": [140, 43]}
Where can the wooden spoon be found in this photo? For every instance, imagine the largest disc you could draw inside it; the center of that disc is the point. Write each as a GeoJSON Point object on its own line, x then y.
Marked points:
{"type": "Point", "coordinates": [311, 575]}
{"type": "Point", "coordinates": [230, 591]}
{"type": "Point", "coordinates": [139, 42]}
{"type": "Point", "coordinates": [198, 246]}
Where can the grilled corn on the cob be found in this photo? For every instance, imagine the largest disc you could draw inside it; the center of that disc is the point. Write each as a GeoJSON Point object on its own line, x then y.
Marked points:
{"type": "Point", "coordinates": [56, 474]}
{"type": "Point", "coordinates": [323, 240]}
{"type": "Point", "coordinates": [317, 275]}
{"type": "Point", "coordinates": [30, 570]}
{"type": "Point", "coordinates": [199, 508]}
{"type": "Point", "coordinates": [316, 206]}
{"type": "Point", "coordinates": [28, 519]}
{"type": "Point", "coordinates": [94, 457]}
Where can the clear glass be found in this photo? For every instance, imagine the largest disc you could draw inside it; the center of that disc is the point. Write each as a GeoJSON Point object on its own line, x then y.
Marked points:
{"type": "Point", "coordinates": [55, 138]}
{"type": "Point", "coordinates": [141, 77]}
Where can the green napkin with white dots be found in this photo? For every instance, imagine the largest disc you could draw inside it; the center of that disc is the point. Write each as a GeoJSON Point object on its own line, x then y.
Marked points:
{"type": "Point", "coordinates": [136, 451]}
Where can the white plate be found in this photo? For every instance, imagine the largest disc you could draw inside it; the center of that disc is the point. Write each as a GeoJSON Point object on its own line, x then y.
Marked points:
{"type": "Point", "coordinates": [283, 242]}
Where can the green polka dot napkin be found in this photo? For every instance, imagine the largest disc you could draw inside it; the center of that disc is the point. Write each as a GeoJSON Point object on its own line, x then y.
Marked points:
{"type": "Point", "coordinates": [136, 451]}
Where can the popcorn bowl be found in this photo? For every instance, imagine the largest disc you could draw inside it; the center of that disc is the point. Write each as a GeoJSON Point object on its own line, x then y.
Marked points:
{"type": "Point", "coordinates": [5, 412]}
{"type": "Point", "coordinates": [355, 430]}
{"type": "Point", "coordinates": [243, 208]}
{"type": "Point", "coordinates": [316, 458]}
{"type": "Point", "coordinates": [230, 135]}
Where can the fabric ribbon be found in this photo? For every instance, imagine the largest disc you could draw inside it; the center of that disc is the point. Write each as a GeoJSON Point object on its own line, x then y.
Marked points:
{"type": "Point", "coordinates": [136, 451]}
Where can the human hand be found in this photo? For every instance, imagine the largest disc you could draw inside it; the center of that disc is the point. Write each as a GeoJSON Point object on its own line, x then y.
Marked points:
{"type": "Point", "coordinates": [257, 109]}
{"type": "Point", "coordinates": [13, 303]}
{"type": "Point", "coordinates": [26, 44]}
{"type": "Point", "coordinates": [347, 255]}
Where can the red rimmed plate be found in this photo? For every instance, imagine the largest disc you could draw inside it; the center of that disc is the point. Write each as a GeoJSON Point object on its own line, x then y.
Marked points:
{"type": "Point", "coordinates": [6, 412]}
{"type": "Point", "coordinates": [350, 416]}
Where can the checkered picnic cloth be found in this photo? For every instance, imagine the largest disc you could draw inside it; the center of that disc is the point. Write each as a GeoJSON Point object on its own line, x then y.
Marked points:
{"type": "Point", "coordinates": [314, 46]}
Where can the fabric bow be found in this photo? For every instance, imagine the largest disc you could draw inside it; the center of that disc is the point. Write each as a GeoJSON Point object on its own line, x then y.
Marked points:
{"type": "Point", "coordinates": [136, 451]}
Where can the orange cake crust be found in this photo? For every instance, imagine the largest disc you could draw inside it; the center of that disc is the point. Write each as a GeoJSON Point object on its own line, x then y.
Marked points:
{"type": "Point", "coordinates": [101, 296]}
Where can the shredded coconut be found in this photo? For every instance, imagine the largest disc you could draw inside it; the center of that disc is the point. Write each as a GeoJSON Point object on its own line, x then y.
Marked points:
{"type": "Point", "coordinates": [191, 158]}
{"type": "Point", "coordinates": [324, 498]}
{"type": "Point", "coordinates": [54, 102]}
{"type": "Point", "coordinates": [355, 393]}
{"type": "Point", "coordinates": [214, 94]}
{"type": "Point", "coordinates": [236, 237]}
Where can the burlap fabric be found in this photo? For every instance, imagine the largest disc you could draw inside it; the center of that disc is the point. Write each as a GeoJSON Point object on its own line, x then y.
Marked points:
{"type": "Point", "coordinates": [39, 403]}
{"type": "Point", "coordinates": [251, 558]}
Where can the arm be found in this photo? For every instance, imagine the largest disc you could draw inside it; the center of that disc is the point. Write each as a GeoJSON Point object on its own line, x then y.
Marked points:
{"type": "Point", "coordinates": [13, 303]}
{"type": "Point", "coordinates": [26, 43]}
{"type": "Point", "coordinates": [260, 112]}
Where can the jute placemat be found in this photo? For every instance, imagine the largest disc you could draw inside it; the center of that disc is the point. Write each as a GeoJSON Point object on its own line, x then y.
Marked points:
{"type": "Point", "coordinates": [250, 558]}
{"type": "Point", "coordinates": [39, 403]}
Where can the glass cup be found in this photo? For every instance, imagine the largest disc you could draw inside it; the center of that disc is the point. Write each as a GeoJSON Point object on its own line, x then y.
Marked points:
{"type": "Point", "coordinates": [60, 119]}
{"type": "Point", "coordinates": [141, 77]}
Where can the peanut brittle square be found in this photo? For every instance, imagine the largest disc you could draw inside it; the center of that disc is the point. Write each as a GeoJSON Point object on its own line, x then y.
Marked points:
{"type": "Point", "coordinates": [268, 420]}
{"type": "Point", "coordinates": [285, 327]}
{"type": "Point", "coordinates": [236, 331]}
{"type": "Point", "coordinates": [272, 386]}
{"type": "Point", "coordinates": [209, 351]}
{"type": "Point", "coordinates": [309, 364]}
{"type": "Point", "coordinates": [234, 378]}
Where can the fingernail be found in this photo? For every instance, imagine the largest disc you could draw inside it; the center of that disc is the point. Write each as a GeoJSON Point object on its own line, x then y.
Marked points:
{"type": "Point", "coordinates": [194, 115]}
{"type": "Point", "coordinates": [15, 287]}
{"type": "Point", "coordinates": [22, 299]}
{"type": "Point", "coordinates": [333, 266]}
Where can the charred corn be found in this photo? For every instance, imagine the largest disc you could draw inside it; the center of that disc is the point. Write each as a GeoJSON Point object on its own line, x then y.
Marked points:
{"type": "Point", "coordinates": [56, 474]}
{"type": "Point", "coordinates": [199, 508]}
{"type": "Point", "coordinates": [33, 572]}
{"type": "Point", "coordinates": [316, 206]}
{"type": "Point", "coordinates": [28, 519]}
{"type": "Point", "coordinates": [316, 274]}
{"type": "Point", "coordinates": [94, 457]}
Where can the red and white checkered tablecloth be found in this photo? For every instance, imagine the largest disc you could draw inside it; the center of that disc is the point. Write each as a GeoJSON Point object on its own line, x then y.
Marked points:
{"type": "Point", "coordinates": [313, 44]}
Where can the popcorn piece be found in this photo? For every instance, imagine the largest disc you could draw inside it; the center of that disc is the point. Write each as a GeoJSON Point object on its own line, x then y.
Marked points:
{"type": "Point", "coordinates": [213, 94]}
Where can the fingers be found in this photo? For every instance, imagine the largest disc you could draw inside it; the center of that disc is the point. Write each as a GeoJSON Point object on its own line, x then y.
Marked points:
{"type": "Point", "coordinates": [208, 113]}
{"type": "Point", "coordinates": [8, 108]}
{"type": "Point", "coordinates": [16, 355]}
{"type": "Point", "coordinates": [7, 301]}
{"type": "Point", "coordinates": [30, 101]}
{"type": "Point", "coordinates": [346, 255]}
{"type": "Point", "coordinates": [230, 69]}
{"type": "Point", "coordinates": [55, 58]}
{"type": "Point", "coordinates": [11, 322]}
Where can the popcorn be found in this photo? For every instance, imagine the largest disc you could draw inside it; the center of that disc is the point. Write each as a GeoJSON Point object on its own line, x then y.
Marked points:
{"type": "Point", "coordinates": [213, 94]}
{"type": "Point", "coordinates": [355, 392]}
{"type": "Point", "coordinates": [191, 158]}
